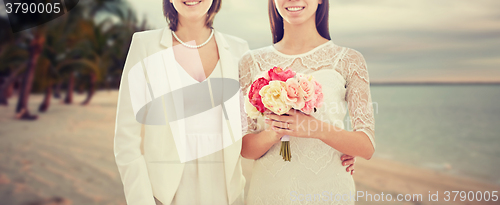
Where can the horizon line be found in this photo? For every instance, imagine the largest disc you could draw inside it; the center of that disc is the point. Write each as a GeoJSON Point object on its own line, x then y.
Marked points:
{"type": "Point", "coordinates": [376, 83]}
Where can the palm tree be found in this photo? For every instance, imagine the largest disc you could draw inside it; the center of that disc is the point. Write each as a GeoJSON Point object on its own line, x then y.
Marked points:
{"type": "Point", "coordinates": [45, 66]}
{"type": "Point", "coordinates": [55, 52]}
{"type": "Point", "coordinates": [13, 57]}
{"type": "Point", "coordinates": [35, 49]}
{"type": "Point", "coordinates": [94, 39]}
{"type": "Point", "coordinates": [96, 55]}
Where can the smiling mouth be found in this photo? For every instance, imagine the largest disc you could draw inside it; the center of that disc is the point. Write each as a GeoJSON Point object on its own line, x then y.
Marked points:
{"type": "Point", "coordinates": [295, 8]}
{"type": "Point", "coordinates": [192, 3]}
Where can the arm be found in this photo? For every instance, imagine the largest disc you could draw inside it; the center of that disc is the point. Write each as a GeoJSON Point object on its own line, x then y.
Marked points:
{"type": "Point", "coordinates": [256, 145]}
{"type": "Point", "coordinates": [359, 142]}
{"type": "Point", "coordinates": [256, 141]}
{"type": "Point", "coordinates": [127, 139]}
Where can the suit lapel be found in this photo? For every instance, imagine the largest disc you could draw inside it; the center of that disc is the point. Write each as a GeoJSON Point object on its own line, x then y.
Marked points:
{"type": "Point", "coordinates": [231, 121]}
{"type": "Point", "coordinates": [178, 127]}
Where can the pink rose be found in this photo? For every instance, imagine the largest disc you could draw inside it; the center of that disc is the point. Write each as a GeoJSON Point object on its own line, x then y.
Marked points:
{"type": "Point", "coordinates": [254, 96]}
{"type": "Point", "coordinates": [316, 101]}
{"type": "Point", "coordinates": [307, 87]}
{"type": "Point", "coordinates": [277, 73]}
{"type": "Point", "coordinates": [308, 107]}
{"type": "Point", "coordinates": [294, 96]}
{"type": "Point", "coordinates": [318, 92]}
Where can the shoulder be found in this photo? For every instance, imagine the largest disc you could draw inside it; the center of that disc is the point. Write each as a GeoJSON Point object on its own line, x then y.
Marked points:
{"type": "Point", "coordinates": [237, 46]}
{"type": "Point", "coordinates": [354, 65]}
{"type": "Point", "coordinates": [355, 55]}
{"type": "Point", "coordinates": [149, 34]}
{"type": "Point", "coordinates": [144, 43]}
{"type": "Point", "coordinates": [235, 43]}
{"type": "Point", "coordinates": [351, 55]}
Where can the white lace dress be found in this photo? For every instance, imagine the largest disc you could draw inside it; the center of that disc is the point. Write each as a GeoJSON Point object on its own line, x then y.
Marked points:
{"type": "Point", "coordinates": [315, 175]}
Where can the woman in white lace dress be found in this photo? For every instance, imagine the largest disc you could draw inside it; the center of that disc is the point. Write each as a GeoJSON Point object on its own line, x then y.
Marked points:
{"type": "Point", "coordinates": [315, 174]}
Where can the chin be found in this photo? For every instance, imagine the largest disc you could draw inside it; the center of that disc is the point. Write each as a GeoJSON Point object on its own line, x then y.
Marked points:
{"type": "Point", "coordinates": [191, 16]}
{"type": "Point", "coordinates": [296, 21]}
{"type": "Point", "coordinates": [192, 11]}
{"type": "Point", "coordinates": [298, 17]}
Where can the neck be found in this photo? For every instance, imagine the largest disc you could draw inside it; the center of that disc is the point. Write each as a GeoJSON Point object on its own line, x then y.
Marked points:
{"type": "Point", "coordinates": [300, 36]}
{"type": "Point", "coordinates": [189, 30]}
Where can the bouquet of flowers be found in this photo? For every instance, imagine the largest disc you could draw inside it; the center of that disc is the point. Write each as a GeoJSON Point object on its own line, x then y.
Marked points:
{"type": "Point", "coordinates": [279, 91]}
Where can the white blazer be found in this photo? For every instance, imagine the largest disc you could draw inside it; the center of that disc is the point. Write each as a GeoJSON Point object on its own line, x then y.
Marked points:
{"type": "Point", "coordinates": [157, 169]}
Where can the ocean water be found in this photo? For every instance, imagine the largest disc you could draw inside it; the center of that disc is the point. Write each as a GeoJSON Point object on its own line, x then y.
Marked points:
{"type": "Point", "coordinates": [450, 128]}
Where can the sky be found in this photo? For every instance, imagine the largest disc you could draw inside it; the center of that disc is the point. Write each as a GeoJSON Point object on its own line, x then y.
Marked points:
{"type": "Point", "coordinates": [402, 41]}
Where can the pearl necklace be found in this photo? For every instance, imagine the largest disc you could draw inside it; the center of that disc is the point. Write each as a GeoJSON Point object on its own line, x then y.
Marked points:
{"type": "Point", "coordinates": [190, 46]}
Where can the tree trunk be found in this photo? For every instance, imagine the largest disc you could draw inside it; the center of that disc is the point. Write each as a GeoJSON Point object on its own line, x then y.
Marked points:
{"type": "Point", "coordinates": [46, 99]}
{"type": "Point", "coordinates": [69, 90]}
{"type": "Point", "coordinates": [9, 91]}
{"type": "Point", "coordinates": [35, 50]}
{"type": "Point", "coordinates": [7, 87]}
{"type": "Point", "coordinates": [57, 90]}
{"type": "Point", "coordinates": [91, 91]}
{"type": "Point", "coordinates": [3, 92]}
{"type": "Point", "coordinates": [80, 89]}
{"type": "Point", "coordinates": [6, 91]}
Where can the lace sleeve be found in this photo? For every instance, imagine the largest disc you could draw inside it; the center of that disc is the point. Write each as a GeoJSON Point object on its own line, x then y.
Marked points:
{"type": "Point", "coordinates": [358, 94]}
{"type": "Point", "coordinates": [249, 125]}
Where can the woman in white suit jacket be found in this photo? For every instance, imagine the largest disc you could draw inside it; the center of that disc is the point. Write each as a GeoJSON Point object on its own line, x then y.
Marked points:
{"type": "Point", "coordinates": [145, 112]}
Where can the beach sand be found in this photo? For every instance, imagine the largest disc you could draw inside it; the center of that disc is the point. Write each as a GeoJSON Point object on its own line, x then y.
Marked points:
{"type": "Point", "coordinates": [66, 157]}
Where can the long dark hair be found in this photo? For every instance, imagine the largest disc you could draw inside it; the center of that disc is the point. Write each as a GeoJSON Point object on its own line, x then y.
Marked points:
{"type": "Point", "coordinates": [171, 14]}
{"type": "Point", "coordinates": [277, 21]}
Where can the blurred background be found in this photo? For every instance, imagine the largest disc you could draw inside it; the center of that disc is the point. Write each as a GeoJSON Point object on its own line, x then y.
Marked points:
{"type": "Point", "coordinates": [434, 68]}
